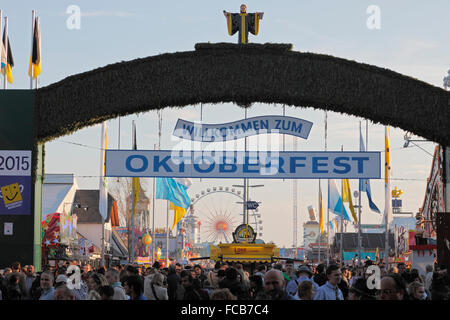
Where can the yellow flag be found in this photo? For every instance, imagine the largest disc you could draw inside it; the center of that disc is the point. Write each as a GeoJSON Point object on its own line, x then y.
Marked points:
{"type": "Point", "coordinates": [179, 213]}
{"type": "Point", "coordinates": [320, 210]}
{"type": "Point", "coordinates": [387, 155]}
{"type": "Point", "coordinates": [135, 192]}
{"type": "Point", "coordinates": [35, 59]}
{"type": "Point", "coordinates": [347, 197]}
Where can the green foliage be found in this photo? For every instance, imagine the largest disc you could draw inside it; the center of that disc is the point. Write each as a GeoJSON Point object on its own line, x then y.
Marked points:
{"type": "Point", "coordinates": [242, 74]}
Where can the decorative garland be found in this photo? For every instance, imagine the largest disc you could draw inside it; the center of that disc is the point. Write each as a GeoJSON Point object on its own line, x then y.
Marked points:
{"type": "Point", "coordinates": [243, 74]}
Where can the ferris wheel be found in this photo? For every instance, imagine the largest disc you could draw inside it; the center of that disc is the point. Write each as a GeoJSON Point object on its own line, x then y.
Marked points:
{"type": "Point", "coordinates": [218, 211]}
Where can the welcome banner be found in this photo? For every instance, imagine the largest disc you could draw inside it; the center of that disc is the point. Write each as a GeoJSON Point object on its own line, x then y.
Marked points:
{"type": "Point", "coordinates": [240, 164]}
{"type": "Point", "coordinates": [242, 128]}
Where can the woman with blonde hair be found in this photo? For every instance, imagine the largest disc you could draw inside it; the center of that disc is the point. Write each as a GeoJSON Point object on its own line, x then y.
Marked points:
{"type": "Point", "coordinates": [154, 289]}
{"type": "Point", "coordinates": [94, 282]}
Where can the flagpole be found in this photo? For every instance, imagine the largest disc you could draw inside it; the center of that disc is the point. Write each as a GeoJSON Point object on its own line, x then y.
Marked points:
{"type": "Point", "coordinates": [132, 198]}
{"type": "Point", "coordinates": [320, 221]}
{"type": "Point", "coordinates": [342, 219]}
{"type": "Point", "coordinates": [33, 20]}
{"type": "Point", "coordinates": [328, 196]}
{"type": "Point", "coordinates": [1, 35]}
{"type": "Point", "coordinates": [37, 24]}
{"type": "Point", "coordinates": [167, 237]}
{"type": "Point", "coordinates": [153, 219]}
{"type": "Point", "coordinates": [386, 198]}
{"type": "Point", "coordinates": [359, 210]}
{"type": "Point", "coordinates": [6, 49]}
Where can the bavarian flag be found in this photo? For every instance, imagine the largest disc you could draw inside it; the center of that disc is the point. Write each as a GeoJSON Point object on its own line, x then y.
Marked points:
{"type": "Point", "coordinates": [175, 191]}
{"type": "Point", "coordinates": [35, 59]}
{"type": "Point", "coordinates": [10, 61]}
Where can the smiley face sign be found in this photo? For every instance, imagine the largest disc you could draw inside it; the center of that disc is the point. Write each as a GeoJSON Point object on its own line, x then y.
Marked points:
{"type": "Point", "coordinates": [15, 195]}
{"type": "Point", "coordinates": [12, 195]}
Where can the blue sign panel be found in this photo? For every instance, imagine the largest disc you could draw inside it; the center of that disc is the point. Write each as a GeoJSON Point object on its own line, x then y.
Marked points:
{"type": "Point", "coordinates": [15, 182]}
{"type": "Point", "coordinates": [240, 164]}
{"type": "Point", "coordinates": [242, 128]}
{"type": "Point", "coordinates": [15, 195]}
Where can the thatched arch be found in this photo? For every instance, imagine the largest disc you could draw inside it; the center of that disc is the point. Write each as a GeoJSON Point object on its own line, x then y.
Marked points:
{"type": "Point", "coordinates": [269, 73]}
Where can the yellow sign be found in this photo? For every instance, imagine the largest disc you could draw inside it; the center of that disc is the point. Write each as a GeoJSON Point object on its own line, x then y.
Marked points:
{"type": "Point", "coordinates": [396, 193]}
{"type": "Point", "coordinates": [11, 194]}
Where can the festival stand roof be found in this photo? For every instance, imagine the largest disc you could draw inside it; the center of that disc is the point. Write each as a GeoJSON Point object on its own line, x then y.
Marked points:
{"type": "Point", "coordinates": [244, 252]}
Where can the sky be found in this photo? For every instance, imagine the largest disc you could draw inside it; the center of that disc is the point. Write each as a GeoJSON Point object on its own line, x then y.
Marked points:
{"type": "Point", "coordinates": [412, 40]}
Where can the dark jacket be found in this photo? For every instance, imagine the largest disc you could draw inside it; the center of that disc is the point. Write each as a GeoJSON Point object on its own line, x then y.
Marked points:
{"type": "Point", "coordinates": [320, 279]}
{"type": "Point", "coordinates": [173, 281]}
{"type": "Point", "coordinates": [236, 288]}
{"type": "Point", "coordinates": [191, 294]}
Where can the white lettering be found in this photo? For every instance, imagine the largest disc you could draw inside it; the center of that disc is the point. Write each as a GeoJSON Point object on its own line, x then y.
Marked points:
{"type": "Point", "coordinates": [74, 20]}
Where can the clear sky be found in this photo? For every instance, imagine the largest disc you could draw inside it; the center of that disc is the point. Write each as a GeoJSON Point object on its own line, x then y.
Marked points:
{"type": "Point", "coordinates": [412, 40]}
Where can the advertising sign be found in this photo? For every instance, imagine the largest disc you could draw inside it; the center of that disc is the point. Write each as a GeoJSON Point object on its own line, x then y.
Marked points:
{"type": "Point", "coordinates": [240, 164]}
{"type": "Point", "coordinates": [244, 234]}
{"type": "Point", "coordinates": [15, 182]}
{"type": "Point", "coordinates": [242, 128]}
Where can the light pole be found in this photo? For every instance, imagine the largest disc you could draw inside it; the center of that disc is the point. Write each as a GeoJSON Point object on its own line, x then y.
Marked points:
{"type": "Point", "coordinates": [246, 197]}
{"type": "Point", "coordinates": [447, 159]}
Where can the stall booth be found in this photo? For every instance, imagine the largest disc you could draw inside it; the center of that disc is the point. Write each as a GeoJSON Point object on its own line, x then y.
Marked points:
{"type": "Point", "coordinates": [248, 254]}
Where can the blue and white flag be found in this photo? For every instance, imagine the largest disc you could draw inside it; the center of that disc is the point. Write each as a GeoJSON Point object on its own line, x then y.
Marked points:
{"type": "Point", "coordinates": [364, 184]}
{"type": "Point", "coordinates": [175, 192]}
{"type": "Point", "coordinates": [335, 201]}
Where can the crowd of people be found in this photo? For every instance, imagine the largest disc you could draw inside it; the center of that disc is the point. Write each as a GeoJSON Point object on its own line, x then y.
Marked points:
{"type": "Point", "coordinates": [226, 281]}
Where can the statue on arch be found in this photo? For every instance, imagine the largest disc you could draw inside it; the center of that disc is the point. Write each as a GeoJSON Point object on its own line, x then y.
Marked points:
{"type": "Point", "coordinates": [244, 22]}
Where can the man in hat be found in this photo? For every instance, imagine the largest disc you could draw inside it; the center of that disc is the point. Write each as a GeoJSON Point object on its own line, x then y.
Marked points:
{"type": "Point", "coordinates": [303, 273]}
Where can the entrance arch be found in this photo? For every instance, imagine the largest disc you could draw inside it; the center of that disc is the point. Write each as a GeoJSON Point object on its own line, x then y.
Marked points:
{"type": "Point", "coordinates": [243, 74]}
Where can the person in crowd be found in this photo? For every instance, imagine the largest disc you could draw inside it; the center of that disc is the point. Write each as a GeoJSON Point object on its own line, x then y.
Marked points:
{"type": "Point", "coordinates": [35, 291]}
{"type": "Point", "coordinates": [302, 274]}
{"type": "Point", "coordinates": [62, 292]}
{"type": "Point", "coordinates": [330, 290]}
{"type": "Point", "coordinates": [106, 292]}
{"type": "Point", "coordinates": [220, 276]}
{"type": "Point", "coordinates": [320, 277]}
{"type": "Point", "coordinates": [134, 287]}
{"type": "Point", "coordinates": [233, 283]}
{"type": "Point", "coordinates": [359, 290]}
{"type": "Point", "coordinates": [212, 275]}
{"type": "Point", "coordinates": [439, 291]}
{"type": "Point", "coordinates": [61, 280]}
{"type": "Point", "coordinates": [101, 270]}
{"type": "Point", "coordinates": [12, 291]}
{"type": "Point", "coordinates": [154, 289]}
{"type": "Point", "coordinates": [305, 290]}
{"type": "Point", "coordinates": [416, 291]}
{"type": "Point", "coordinates": [22, 283]}
{"type": "Point", "coordinates": [187, 281]}
{"type": "Point", "coordinates": [256, 286]}
{"type": "Point", "coordinates": [173, 281]}
{"type": "Point", "coordinates": [47, 290]}
{"type": "Point", "coordinates": [222, 294]}
{"type": "Point", "coordinates": [290, 270]}
{"type": "Point", "coordinates": [6, 271]}
{"type": "Point", "coordinates": [261, 271]}
{"type": "Point", "coordinates": [199, 274]}
{"type": "Point", "coordinates": [95, 281]}
{"type": "Point", "coordinates": [112, 276]}
{"type": "Point", "coordinates": [30, 277]}
{"type": "Point", "coordinates": [393, 287]}
{"type": "Point", "coordinates": [274, 287]}
{"type": "Point", "coordinates": [343, 284]}
{"type": "Point", "coordinates": [428, 276]}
